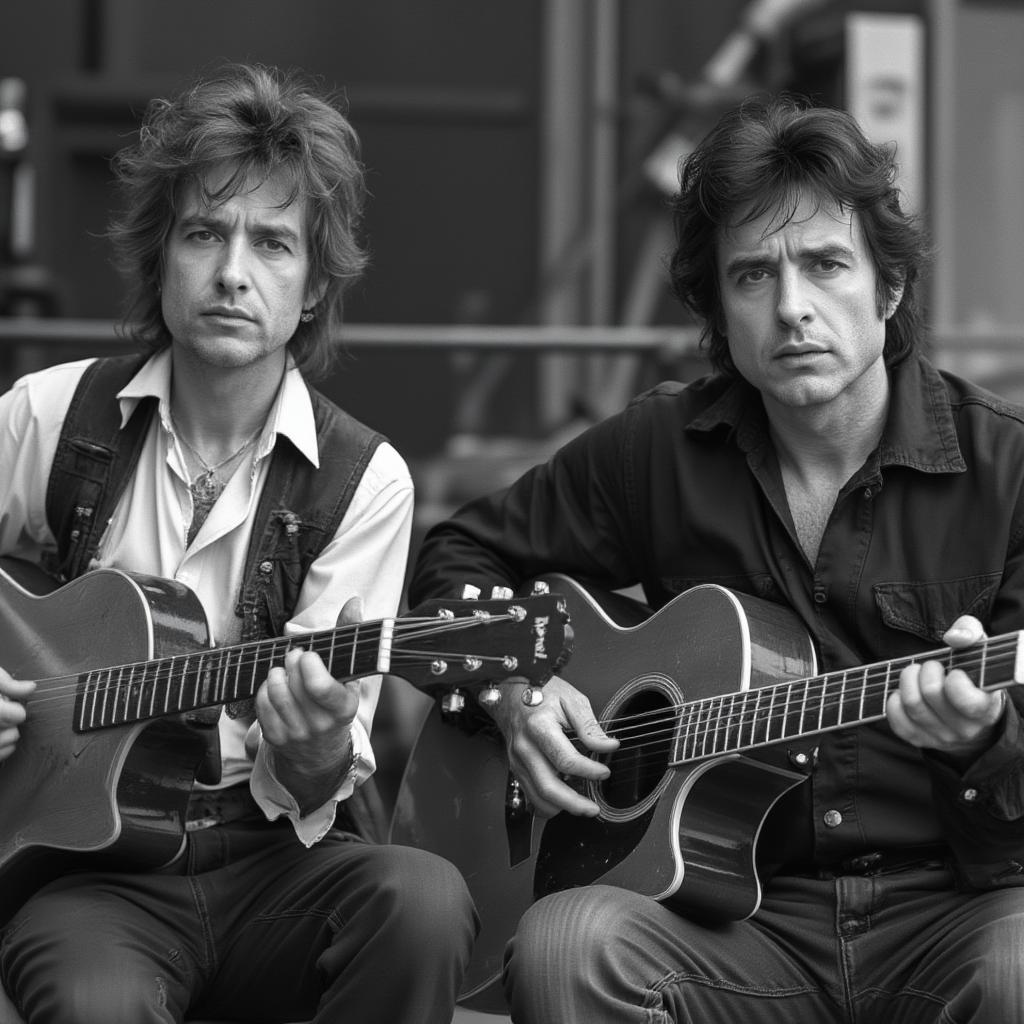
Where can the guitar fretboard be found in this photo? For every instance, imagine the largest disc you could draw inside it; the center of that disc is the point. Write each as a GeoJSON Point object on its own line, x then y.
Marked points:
{"type": "Point", "coordinates": [783, 711]}
{"type": "Point", "coordinates": [124, 694]}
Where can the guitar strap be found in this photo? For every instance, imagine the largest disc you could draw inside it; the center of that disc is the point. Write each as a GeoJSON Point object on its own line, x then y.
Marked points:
{"type": "Point", "coordinates": [298, 513]}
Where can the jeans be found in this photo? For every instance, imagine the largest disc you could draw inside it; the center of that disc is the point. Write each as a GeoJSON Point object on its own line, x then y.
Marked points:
{"type": "Point", "coordinates": [250, 926]}
{"type": "Point", "coordinates": [902, 948]}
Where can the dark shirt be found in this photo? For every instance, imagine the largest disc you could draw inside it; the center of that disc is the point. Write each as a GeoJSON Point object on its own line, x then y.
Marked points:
{"type": "Point", "coordinates": [683, 487]}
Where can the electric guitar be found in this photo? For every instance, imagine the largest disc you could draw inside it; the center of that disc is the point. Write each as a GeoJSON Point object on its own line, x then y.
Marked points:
{"type": "Point", "coordinates": [689, 692]}
{"type": "Point", "coordinates": [105, 764]}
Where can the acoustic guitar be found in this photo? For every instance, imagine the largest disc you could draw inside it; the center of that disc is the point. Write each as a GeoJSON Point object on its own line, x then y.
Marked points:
{"type": "Point", "coordinates": [689, 692]}
{"type": "Point", "coordinates": [107, 756]}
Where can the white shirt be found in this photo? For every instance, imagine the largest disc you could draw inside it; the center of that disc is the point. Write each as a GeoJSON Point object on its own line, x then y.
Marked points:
{"type": "Point", "coordinates": [147, 532]}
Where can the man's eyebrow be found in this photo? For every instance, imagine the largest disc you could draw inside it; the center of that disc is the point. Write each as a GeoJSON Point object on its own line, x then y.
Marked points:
{"type": "Point", "coordinates": [212, 220]}
{"type": "Point", "coordinates": [755, 261]}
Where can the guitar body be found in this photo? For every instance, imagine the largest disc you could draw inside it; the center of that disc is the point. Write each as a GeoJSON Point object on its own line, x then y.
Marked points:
{"type": "Point", "coordinates": [120, 791]}
{"type": "Point", "coordinates": [683, 835]}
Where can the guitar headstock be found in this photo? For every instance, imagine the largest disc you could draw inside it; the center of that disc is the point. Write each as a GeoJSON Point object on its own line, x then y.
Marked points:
{"type": "Point", "coordinates": [444, 644]}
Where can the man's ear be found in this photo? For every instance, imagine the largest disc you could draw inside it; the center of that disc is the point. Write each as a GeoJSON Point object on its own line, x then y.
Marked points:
{"type": "Point", "coordinates": [314, 293]}
{"type": "Point", "coordinates": [893, 303]}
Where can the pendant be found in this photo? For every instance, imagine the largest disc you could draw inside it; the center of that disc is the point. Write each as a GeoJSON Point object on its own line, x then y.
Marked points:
{"type": "Point", "coordinates": [205, 488]}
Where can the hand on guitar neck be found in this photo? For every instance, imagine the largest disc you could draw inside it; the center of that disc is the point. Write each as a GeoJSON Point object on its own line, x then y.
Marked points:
{"type": "Point", "coordinates": [306, 718]}
{"type": "Point", "coordinates": [541, 753]}
{"type": "Point", "coordinates": [946, 712]}
{"type": "Point", "coordinates": [548, 745]}
{"type": "Point", "coordinates": [12, 711]}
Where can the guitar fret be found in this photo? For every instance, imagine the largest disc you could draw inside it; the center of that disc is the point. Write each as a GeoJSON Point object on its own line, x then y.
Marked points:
{"type": "Point", "coordinates": [706, 713]}
{"type": "Point", "coordinates": [103, 703]}
{"type": "Point", "coordinates": [739, 707]}
{"type": "Point", "coordinates": [876, 709]}
{"type": "Point", "coordinates": [89, 697]}
{"type": "Point", "coordinates": [793, 708]}
{"type": "Point", "coordinates": [134, 694]}
{"type": "Point", "coordinates": [694, 727]}
{"type": "Point", "coordinates": [768, 717]}
{"type": "Point", "coordinates": [755, 719]}
{"type": "Point", "coordinates": [140, 689]}
{"type": "Point", "coordinates": [763, 726]}
{"type": "Point", "coordinates": [115, 698]}
{"type": "Point", "coordinates": [123, 696]}
{"type": "Point", "coordinates": [684, 749]}
{"type": "Point", "coordinates": [722, 724]}
{"type": "Point", "coordinates": [743, 720]}
{"type": "Point", "coordinates": [218, 660]}
{"type": "Point", "coordinates": [254, 668]}
{"type": "Point", "coordinates": [830, 710]}
{"type": "Point", "coordinates": [695, 718]}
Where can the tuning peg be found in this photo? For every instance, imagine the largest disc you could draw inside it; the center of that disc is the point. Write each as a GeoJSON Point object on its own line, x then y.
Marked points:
{"type": "Point", "coordinates": [532, 696]}
{"type": "Point", "coordinates": [501, 593]}
{"type": "Point", "coordinates": [540, 588]}
{"type": "Point", "coordinates": [469, 592]}
{"type": "Point", "coordinates": [453, 703]}
{"type": "Point", "coordinates": [489, 696]}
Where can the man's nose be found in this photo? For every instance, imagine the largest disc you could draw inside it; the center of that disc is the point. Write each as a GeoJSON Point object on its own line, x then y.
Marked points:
{"type": "Point", "coordinates": [233, 272]}
{"type": "Point", "coordinates": [793, 305]}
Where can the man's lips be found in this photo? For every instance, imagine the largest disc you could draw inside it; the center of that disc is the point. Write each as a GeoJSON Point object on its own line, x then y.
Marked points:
{"type": "Point", "coordinates": [799, 351]}
{"type": "Point", "coordinates": [227, 313]}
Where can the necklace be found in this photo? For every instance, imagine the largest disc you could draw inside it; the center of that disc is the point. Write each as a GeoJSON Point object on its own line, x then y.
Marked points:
{"type": "Point", "coordinates": [206, 485]}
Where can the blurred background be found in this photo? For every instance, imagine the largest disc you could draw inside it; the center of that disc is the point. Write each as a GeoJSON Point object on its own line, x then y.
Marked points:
{"type": "Point", "coordinates": [520, 154]}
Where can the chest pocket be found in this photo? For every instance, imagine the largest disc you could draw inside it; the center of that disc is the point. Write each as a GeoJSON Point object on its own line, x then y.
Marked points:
{"type": "Point", "coordinates": [927, 610]}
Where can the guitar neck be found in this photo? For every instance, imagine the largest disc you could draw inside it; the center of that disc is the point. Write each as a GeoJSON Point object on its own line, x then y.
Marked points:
{"type": "Point", "coordinates": [438, 646]}
{"type": "Point", "coordinates": [837, 700]}
{"type": "Point", "coordinates": [124, 694]}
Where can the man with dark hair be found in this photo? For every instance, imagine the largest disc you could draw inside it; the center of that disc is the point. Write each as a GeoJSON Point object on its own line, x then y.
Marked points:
{"type": "Point", "coordinates": [825, 467]}
{"type": "Point", "coordinates": [214, 464]}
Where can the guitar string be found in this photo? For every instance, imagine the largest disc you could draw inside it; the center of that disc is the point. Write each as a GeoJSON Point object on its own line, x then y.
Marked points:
{"type": "Point", "coordinates": [246, 655]}
{"type": "Point", "coordinates": [720, 726]}
{"type": "Point", "coordinates": [731, 725]}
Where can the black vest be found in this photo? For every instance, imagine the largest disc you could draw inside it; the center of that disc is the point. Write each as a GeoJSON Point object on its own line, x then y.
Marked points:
{"type": "Point", "coordinates": [299, 510]}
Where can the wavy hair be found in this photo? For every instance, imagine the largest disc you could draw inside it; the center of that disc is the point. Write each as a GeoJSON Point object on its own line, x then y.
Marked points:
{"type": "Point", "coordinates": [258, 121]}
{"type": "Point", "coordinates": [763, 158]}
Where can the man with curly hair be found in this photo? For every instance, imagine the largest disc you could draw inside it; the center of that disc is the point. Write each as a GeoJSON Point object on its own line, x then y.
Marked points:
{"type": "Point", "coordinates": [825, 475]}
{"type": "Point", "coordinates": [224, 470]}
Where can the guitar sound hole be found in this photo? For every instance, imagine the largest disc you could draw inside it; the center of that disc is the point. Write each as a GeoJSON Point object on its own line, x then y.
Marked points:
{"type": "Point", "coordinates": [644, 726]}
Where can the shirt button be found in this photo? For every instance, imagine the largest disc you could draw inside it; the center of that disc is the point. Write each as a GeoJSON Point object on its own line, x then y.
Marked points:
{"type": "Point", "coordinates": [970, 795]}
{"type": "Point", "coordinates": [833, 819]}
{"type": "Point", "coordinates": [820, 595]}
{"type": "Point", "coordinates": [266, 568]}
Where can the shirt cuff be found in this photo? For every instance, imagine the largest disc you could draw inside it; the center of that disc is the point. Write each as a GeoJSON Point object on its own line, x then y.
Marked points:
{"type": "Point", "coordinates": [275, 801]}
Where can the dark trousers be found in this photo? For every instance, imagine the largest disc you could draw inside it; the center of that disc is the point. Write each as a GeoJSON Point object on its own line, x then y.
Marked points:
{"type": "Point", "coordinates": [904, 948]}
{"type": "Point", "coordinates": [250, 926]}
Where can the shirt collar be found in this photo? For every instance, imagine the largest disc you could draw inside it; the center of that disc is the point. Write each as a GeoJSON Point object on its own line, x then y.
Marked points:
{"type": "Point", "coordinates": [920, 431]}
{"type": "Point", "coordinates": [290, 416]}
